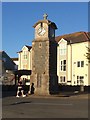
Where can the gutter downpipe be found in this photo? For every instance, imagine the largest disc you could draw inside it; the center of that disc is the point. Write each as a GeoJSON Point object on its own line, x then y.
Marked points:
{"type": "Point", "coordinates": [71, 60]}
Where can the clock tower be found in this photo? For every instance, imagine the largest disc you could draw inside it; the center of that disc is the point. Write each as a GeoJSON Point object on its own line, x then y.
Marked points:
{"type": "Point", "coordinates": [44, 58]}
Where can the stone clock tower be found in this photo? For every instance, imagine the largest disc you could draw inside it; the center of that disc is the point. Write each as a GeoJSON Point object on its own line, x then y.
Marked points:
{"type": "Point", "coordinates": [44, 58]}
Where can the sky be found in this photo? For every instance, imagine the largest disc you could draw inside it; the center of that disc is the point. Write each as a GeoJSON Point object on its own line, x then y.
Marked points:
{"type": "Point", "coordinates": [18, 19]}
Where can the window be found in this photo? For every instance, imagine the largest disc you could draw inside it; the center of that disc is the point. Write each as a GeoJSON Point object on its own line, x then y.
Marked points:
{"type": "Point", "coordinates": [78, 64]}
{"type": "Point", "coordinates": [25, 55]}
{"type": "Point", "coordinates": [63, 65]}
{"type": "Point", "coordinates": [62, 49]}
{"type": "Point", "coordinates": [77, 80]}
{"type": "Point", "coordinates": [82, 63]}
{"type": "Point", "coordinates": [62, 79]}
{"type": "Point", "coordinates": [80, 80]}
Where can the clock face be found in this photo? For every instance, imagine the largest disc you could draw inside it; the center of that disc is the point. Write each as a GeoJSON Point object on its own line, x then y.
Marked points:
{"type": "Point", "coordinates": [41, 31]}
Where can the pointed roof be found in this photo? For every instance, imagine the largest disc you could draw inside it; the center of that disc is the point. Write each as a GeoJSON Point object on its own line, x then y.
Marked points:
{"type": "Point", "coordinates": [29, 47]}
{"type": "Point", "coordinates": [76, 37]}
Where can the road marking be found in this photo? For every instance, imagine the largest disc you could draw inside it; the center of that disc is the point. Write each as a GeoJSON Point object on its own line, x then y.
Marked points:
{"type": "Point", "coordinates": [63, 104]}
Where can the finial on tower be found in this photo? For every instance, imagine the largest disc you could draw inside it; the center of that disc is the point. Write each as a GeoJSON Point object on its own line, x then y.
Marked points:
{"type": "Point", "coordinates": [45, 16]}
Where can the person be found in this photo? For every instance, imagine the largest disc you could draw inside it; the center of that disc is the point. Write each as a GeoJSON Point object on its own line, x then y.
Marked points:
{"type": "Point", "coordinates": [32, 88]}
{"type": "Point", "coordinates": [20, 91]}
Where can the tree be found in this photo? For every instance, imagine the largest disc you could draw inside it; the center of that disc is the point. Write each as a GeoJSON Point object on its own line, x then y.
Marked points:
{"type": "Point", "coordinates": [88, 54]}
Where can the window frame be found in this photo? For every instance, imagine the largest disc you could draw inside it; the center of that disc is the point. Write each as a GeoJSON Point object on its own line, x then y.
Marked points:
{"type": "Point", "coordinates": [78, 63]}
{"type": "Point", "coordinates": [82, 63]}
{"type": "Point", "coordinates": [62, 49]}
{"type": "Point", "coordinates": [63, 65]}
{"type": "Point", "coordinates": [25, 53]}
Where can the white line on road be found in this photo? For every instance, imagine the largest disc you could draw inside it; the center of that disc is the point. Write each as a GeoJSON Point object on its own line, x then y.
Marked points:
{"type": "Point", "coordinates": [63, 104]}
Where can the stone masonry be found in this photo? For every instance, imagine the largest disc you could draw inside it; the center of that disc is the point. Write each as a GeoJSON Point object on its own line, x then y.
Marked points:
{"type": "Point", "coordinates": [44, 60]}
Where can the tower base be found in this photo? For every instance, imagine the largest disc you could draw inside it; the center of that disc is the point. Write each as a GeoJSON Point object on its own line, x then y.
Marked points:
{"type": "Point", "coordinates": [44, 84]}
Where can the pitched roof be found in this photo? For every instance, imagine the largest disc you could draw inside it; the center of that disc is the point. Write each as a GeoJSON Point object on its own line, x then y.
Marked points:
{"type": "Point", "coordinates": [19, 51]}
{"type": "Point", "coordinates": [29, 47]}
{"type": "Point", "coordinates": [7, 62]}
{"type": "Point", "coordinates": [14, 59]}
{"type": "Point", "coordinates": [76, 37]}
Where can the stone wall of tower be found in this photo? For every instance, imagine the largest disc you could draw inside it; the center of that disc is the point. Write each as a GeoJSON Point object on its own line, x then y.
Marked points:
{"type": "Point", "coordinates": [44, 63]}
{"type": "Point", "coordinates": [40, 67]}
{"type": "Point", "coordinates": [53, 81]}
{"type": "Point", "coordinates": [44, 58]}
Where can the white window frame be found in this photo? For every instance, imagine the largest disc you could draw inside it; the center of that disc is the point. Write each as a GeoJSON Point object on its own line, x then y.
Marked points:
{"type": "Point", "coordinates": [62, 65]}
{"type": "Point", "coordinates": [63, 49]}
{"type": "Point", "coordinates": [80, 80]}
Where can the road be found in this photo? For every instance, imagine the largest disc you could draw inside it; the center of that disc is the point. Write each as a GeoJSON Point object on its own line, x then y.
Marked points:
{"type": "Point", "coordinates": [45, 107]}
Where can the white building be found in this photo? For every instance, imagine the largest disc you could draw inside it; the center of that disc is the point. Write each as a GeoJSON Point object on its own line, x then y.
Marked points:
{"type": "Point", "coordinates": [72, 66]}
{"type": "Point", "coordinates": [25, 59]}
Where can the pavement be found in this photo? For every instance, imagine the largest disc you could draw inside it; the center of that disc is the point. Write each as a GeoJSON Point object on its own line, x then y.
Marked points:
{"type": "Point", "coordinates": [75, 94]}
{"type": "Point", "coordinates": [64, 95]}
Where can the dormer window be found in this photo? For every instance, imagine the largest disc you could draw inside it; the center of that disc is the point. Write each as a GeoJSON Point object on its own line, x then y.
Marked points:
{"type": "Point", "coordinates": [62, 49]}
{"type": "Point", "coordinates": [25, 55]}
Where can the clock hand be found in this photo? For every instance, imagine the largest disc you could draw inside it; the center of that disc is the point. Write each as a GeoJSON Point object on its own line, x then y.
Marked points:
{"type": "Point", "coordinates": [40, 30]}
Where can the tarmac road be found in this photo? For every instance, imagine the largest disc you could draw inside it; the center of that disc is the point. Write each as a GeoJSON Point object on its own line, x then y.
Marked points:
{"type": "Point", "coordinates": [45, 107]}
